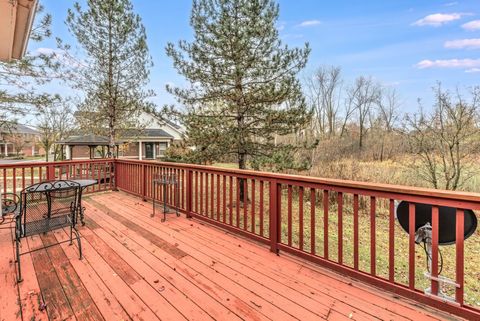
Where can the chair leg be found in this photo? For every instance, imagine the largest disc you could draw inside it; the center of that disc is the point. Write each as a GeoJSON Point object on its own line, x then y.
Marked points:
{"type": "Point", "coordinates": [77, 235]}
{"type": "Point", "coordinates": [71, 234]}
{"type": "Point", "coordinates": [17, 246]}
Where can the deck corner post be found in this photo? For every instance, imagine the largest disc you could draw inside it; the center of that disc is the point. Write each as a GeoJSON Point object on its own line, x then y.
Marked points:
{"type": "Point", "coordinates": [115, 175]}
{"type": "Point", "coordinates": [274, 215]}
{"type": "Point", "coordinates": [189, 193]}
{"type": "Point", "coordinates": [50, 172]}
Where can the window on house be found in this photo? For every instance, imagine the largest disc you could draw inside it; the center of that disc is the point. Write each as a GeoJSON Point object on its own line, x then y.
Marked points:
{"type": "Point", "coordinates": [162, 147]}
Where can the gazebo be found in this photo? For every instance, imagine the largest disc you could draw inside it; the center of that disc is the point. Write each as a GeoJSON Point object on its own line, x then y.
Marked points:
{"type": "Point", "coordinates": [88, 146]}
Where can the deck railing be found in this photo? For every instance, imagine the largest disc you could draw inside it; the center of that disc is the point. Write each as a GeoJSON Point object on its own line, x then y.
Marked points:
{"type": "Point", "coordinates": [347, 226]}
{"type": "Point", "coordinates": [15, 177]}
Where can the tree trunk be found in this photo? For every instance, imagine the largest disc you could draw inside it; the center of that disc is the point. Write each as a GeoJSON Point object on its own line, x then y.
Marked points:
{"type": "Point", "coordinates": [241, 181]}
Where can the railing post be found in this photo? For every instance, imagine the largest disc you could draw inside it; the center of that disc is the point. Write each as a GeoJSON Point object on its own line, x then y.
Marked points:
{"type": "Point", "coordinates": [115, 175]}
{"type": "Point", "coordinates": [144, 183]}
{"type": "Point", "coordinates": [189, 193]}
{"type": "Point", "coordinates": [50, 172]}
{"type": "Point", "coordinates": [274, 211]}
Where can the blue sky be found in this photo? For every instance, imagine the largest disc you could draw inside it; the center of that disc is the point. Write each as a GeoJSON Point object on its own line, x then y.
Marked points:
{"type": "Point", "coordinates": [406, 44]}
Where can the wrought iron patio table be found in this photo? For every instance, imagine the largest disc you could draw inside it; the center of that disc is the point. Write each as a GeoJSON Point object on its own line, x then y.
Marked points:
{"type": "Point", "coordinates": [84, 183]}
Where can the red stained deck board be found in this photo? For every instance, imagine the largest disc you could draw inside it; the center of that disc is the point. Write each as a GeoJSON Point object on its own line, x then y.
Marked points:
{"type": "Point", "coordinates": [177, 281]}
{"type": "Point", "coordinates": [136, 267]}
{"type": "Point", "coordinates": [363, 297]}
{"type": "Point", "coordinates": [296, 304]}
{"type": "Point", "coordinates": [29, 290]}
{"type": "Point", "coordinates": [203, 277]}
{"type": "Point", "coordinates": [149, 295]}
{"type": "Point", "coordinates": [305, 300]}
{"type": "Point", "coordinates": [106, 302]}
{"type": "Point", "coordinates": [126, 296]}
{"type": "Point", "coordinates": [9, 307]}
{"type": "Point", "coordinates": [80, 300]}
{"type": "Point", "coordinates": [56, 301]}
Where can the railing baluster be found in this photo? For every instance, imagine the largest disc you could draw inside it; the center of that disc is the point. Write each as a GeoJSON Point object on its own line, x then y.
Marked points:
{"type": "Point", "coordinates": [238, 201]}
{"type": "Point", "coordinates": [300, 216]}
{"type": "Point", "coordinates": [206, 194]}
{"type": "Point", "coordinates": [189, 194]}
{"type": "Point", "coordinates": [261, 207]}
{"type": "Point", "coordinates": [201, 193]}
{"type": "Point", "coordinates": [212, 198]}
{"type": "Point", "coordinates": [5, 180]}
{"type": "Point", "coordinates": [411, 245]}
{"type": "Point", "coordinates": [459, 248]}
{"type": "Point", "coordinates": [245, 204]}
{"type": "Point", "coordinates": [253, 222]}
{"type": "Point", "coordinates": [340, 226]}
{"type": "Point", "coordinates": [230, 206]}
{"type": "Point", "coordinates": [196, 192]}
{"type": "Point", "coordinates": [224, 187]}
{"type": "Point", "coordinates": [325, 223]}
{"type": "Point", "coordinates": [355, 231]}
{"type": "Point", "coordinates": [289, 215]}
{"type": "Point", "coordinates": [434, 267]}
{"type": "Point", "coordinates": [373, 244]}
{"type": "Point", "coordinates": [391, 241]}
{"type": "Point", "coordinates": [312, 221]}
{"type": "Point", "coordinates": [218, 197]}
{"type": "Point", "coordinates": [14, 177]}
{"type": "Point", "coordinates": [23, 178]}
{"type": "Point", "coordinates": [275, 215]}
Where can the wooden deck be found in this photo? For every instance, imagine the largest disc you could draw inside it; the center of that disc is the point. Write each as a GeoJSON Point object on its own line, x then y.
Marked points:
{"type": "Point", "coordinates": [136, 267]}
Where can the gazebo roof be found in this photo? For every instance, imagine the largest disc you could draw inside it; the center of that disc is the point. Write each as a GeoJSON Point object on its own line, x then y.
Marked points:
{"type": "Point", "coordinates": [87, 140]}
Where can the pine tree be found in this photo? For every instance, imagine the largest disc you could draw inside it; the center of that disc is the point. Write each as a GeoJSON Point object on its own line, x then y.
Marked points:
{"type": "Point", "coordinates": [21, 80]}
{"type": "Point", "coordinates": [116, 67]}
{"type": "Point", "coordinates": [244, 92]}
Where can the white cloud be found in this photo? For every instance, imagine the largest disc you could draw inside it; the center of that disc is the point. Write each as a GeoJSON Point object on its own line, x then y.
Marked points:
{"type": "Point", "coordinates": [438, 19]}
{"type": "Point", "coordinates": [281, 25]}
{"type": "Point", "coordinates": [451, 4]}
{"type": "Point", "coordinates": [472, 70]}
{"type": "Point", "coordinates": [463, 44]}
{"type": "Point", "coordinates": [449, 63]}
{"type": "Point", "coordinates": [309, 23]}
{"type": "Point", "coordinates": [47, 51]}
{"type": "Point", "coordinates": [472, 25]}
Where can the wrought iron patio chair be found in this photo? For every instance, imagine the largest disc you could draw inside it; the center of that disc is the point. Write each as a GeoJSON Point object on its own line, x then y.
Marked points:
{"type": "Point", "coordinates": [10, 207]}
{"type": "Point", "coordinates": [45, 207]}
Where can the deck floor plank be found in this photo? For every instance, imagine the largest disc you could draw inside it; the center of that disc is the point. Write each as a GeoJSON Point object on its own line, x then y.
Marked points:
{"type": "Point", "coordinates": [296, 296]}
{"type": "Point", "coordinates": [353, 293]}
{"type": "Point", "coordinates": [269, 289]}
{"type": "Point", "coordinates": [137, 268]}
{"type": "Point", "coordinates": [105, 300]}
{"type": "Point", "coordinates": [136, 308]}
{"type": "Point", "coordinates": [79, 298]}
{"type": "Point", "coordinates": [9, 304]}
{"type": "Point", "coordinates": [134, 241]}
{"type": "Point", "coordinates": [171, 294]}
{"type": "Point", "coordinates": [56, 302]}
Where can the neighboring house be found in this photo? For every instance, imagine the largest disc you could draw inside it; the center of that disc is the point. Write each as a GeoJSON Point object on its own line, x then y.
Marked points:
{"type": "Point", "coordinates": [16, 18]}
{"type": "Point", "coordinates": [20, 140]}
{"type": "Point", "coordinates": [148, 143]}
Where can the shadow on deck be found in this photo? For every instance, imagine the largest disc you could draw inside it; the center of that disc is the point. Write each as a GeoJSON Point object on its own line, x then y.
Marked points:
{"type": "Point", "coordinates": [136, 267]}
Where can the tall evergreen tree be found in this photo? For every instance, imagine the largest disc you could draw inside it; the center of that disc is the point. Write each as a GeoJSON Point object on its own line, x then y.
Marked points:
{"type": "Point", "coordinates": [116, 67]}
{"type": "Point", "coordinates": [244, 92]}
{"type": "Point", "coordinates": [21, 80]}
